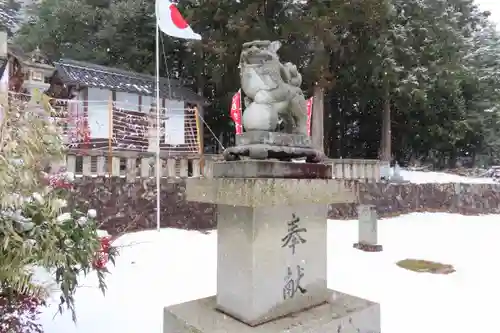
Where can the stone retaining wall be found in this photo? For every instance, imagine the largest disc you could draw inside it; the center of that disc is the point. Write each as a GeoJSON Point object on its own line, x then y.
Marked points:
{"type": "Point", "coordinates": [393, 200]}
{"type": "Point", "coordinates": [126, 206]}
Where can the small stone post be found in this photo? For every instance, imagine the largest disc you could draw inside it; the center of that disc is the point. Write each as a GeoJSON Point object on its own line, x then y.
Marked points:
{"type": "Point", "coordinates": [367, 229]}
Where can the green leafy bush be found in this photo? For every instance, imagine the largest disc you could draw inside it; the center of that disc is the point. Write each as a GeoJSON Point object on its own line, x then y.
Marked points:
{"type": "Point", "coordinates": [37, 228]}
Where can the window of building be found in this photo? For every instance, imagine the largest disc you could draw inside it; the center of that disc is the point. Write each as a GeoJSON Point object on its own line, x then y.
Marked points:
{"type": "Point", "coordinates": [127, 101]}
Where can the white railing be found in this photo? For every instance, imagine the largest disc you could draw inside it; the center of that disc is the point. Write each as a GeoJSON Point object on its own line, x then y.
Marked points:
{"type": "Point", "coordinates": [133, 165]}
{"type": "Point", "coordinates": [356, 169]}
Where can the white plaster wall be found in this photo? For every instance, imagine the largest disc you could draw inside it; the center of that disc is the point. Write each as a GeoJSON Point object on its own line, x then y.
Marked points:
{"type": "Point", "coordinates": [98, 109]}
{"type": "Point", "coordinates": [175, 119]}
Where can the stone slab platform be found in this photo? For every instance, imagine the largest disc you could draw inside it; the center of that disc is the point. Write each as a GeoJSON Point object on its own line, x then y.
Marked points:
{"type": "Point", "coordinates": [273, 138]}
{"type": "Point", "coordinates": [260, 192]}
{"type": "Point", "coordinates": [271, 169]}
{"type": "Point", "coordinates": [342, 314]}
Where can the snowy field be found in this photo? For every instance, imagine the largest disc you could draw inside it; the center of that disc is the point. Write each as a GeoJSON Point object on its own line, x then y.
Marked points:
{"type": "Point", "coordinates": [156, 269]}
{"type": "Point", "coordinates": [421, 177]}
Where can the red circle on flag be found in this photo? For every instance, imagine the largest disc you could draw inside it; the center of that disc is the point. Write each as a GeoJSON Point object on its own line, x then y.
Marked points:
{"type": "Point", "coordinates": [177, 18]}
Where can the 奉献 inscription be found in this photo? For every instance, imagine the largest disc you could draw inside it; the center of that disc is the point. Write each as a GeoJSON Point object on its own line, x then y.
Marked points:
{"type": "Point", "coordinates": [292, 283]}
{"type": "Point", "coordinates": [293, 236]}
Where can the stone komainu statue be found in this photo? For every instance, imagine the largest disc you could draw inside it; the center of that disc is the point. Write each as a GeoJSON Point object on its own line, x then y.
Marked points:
{"type": "Point", "coordinates": [272, 90]}
{"type": "Point", "coordinates": [275, 117]}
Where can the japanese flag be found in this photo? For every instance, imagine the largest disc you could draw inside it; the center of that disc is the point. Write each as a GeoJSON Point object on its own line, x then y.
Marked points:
{"type": "Point", "coordinates": [171, 22]}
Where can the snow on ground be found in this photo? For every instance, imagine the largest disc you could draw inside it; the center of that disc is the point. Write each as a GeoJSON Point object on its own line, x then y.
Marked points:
{"type": "Point", "coordinates": [156, 269]}
{"type": "Point", "coordinates": [425, 177]}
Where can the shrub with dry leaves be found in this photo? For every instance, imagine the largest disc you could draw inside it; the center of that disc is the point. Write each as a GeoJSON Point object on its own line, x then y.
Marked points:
{"type": "Point", "coordinates": [19, 312]}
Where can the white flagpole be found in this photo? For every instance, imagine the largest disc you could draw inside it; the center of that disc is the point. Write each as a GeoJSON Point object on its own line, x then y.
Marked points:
{"type": "Point", "coordinates": [158, 123]}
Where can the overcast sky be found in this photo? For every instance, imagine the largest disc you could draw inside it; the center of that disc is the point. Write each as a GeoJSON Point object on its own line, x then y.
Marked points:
{"type": "Point", "coordinates": [493, 6]}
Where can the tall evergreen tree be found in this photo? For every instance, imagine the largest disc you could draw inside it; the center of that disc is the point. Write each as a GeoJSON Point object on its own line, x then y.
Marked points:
{"type": "Point", "coordinates": [9, 15]}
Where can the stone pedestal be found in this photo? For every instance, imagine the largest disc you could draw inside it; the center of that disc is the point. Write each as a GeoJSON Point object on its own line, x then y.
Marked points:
{"type": "Point", "coordinates": [271, 261]}
{"type": "Point", "coordinates": [272, 252]}
{"type": "Point", "coordinates": [367, 229]}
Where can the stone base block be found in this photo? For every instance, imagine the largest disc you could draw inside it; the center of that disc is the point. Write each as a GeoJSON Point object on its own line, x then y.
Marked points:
{"type": "Point", "coordinates": [368, 247]}
{"type": "Point", "coordinates": [342, 314]}
{"type": "Point", "coordinates": [265, 192]}
{"type": "Point", "coordinates": [264, 152]}
{"type": "Point", "coordinates": [262, 145]}
{"type": "Point", "coordinates": [274, 139]}
{"type": "Point", "coordinates": [271, 169]}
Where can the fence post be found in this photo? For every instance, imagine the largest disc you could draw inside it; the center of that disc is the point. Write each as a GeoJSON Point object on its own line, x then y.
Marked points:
{"type": "Point", "coordinates": [71, 163]}
{"type": "Point", "coordinates": [145, 167]}
{"type": "Point", "coordinates": [196, 168]}
{"type": "Point", "coordinates": [207, 169]}
{"type": "Point", "coordinates": [101, 166]}
{"type": "Point", "coordinates": [115, 166]}
{"type": "Point", "coordinates": [131, 170]}
{"type": "Point", "coordinates": [171, 168]}
{"type": "Point", "coordinates": [183, 170]}
{"type": "Point", "coordinates": [87, 166]}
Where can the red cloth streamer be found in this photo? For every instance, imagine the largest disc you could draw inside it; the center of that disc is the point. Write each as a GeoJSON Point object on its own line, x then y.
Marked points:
{"type": "Point", "coordinates": [309, 114]}
{"type": "Point", "coordinates": [235, 112]}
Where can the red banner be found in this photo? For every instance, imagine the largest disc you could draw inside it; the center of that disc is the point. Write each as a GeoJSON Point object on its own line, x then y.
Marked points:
{"type": "Point", "coordinates": [309, 114]}
{"type": "Point", "coordinates": [235, 112]}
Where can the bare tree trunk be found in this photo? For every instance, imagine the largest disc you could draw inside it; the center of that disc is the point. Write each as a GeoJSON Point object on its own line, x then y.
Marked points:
{"type": "Point", "coordinates": [386, 132]}
{"type": "Point", "coordinates": [317, 123]}
{"type": "Point", "coordinates": [385, 142]}
{"type": "Point", "coordinates": [341, 138]}
{"type": "Point", "coordinates": [318, 111]}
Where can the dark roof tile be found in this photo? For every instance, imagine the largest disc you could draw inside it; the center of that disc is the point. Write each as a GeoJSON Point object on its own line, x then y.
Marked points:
{"type": "Point", "coordinates": [91, 75]}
